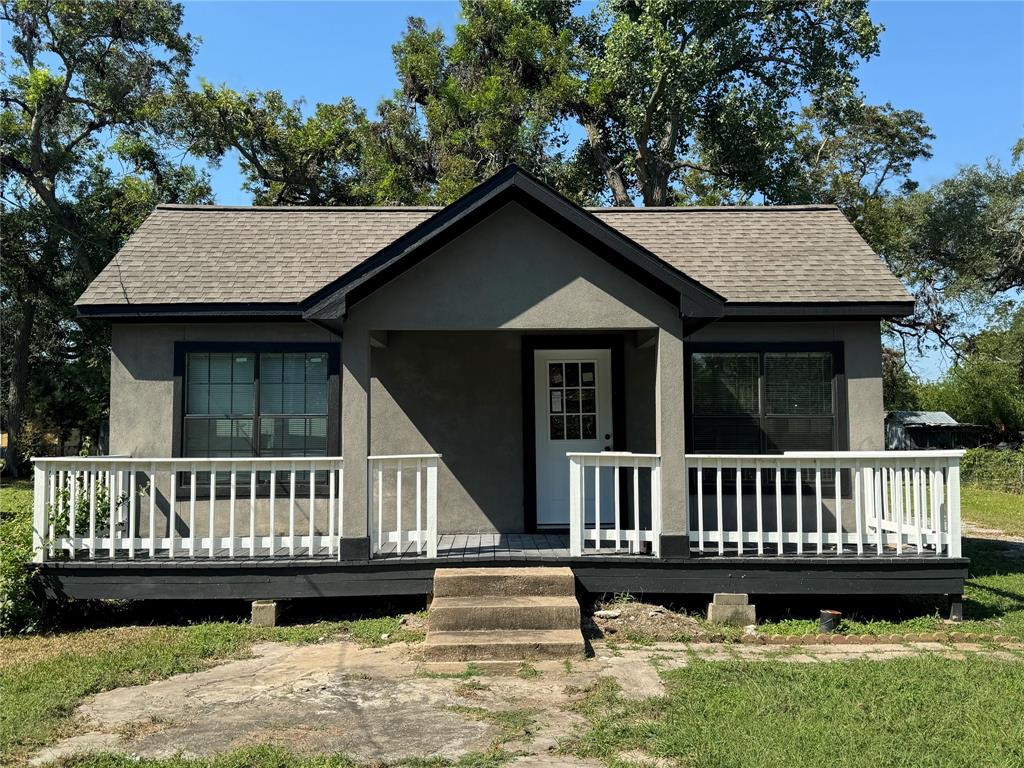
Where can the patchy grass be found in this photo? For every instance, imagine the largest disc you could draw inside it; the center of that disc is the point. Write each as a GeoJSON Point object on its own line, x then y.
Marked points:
{"type": "Point", "coordinates": [997, 510]}
{"type": "Point", "coordinates": [274, 757]}
{"type": "Point", "coordinates": [993, 601]}
{"type": "Point", "coordinates": [513, 724]}
{"type": "Point", "coordinates": [44, 678]}
{"type": "Point", "coordinates": [926, 711]}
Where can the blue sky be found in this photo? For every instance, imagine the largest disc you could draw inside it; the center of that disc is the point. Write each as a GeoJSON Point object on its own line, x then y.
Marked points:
{"type": "Point", "coordinates": [960, 63]}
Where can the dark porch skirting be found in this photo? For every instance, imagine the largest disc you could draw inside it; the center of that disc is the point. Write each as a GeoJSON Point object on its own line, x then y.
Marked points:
{"type": "Point", "coordinates": [405, 575]}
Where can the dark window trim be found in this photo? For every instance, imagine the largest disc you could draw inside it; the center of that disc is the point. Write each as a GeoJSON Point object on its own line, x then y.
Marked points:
{"type": "Point", "coordinates": [333, 352]}
{"type": "Point", "coordinates": [841, 435]}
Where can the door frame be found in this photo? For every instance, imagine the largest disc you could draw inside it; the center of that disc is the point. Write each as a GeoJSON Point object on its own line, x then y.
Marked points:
{"type": "Point", "coordinates": [531, 343]}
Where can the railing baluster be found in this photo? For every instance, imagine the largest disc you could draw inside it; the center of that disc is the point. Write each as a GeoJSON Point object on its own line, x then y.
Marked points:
{"type": "Point", "coordinates": [635, 547]}
{"type": "Point", "coordinates": [597, 502]}
{"type": "Point", "coordinates": [718, 498]}
{"type": "Point", "coordinates": [857, 477]}
{"type": "Point", "coordinates": [936, 497]}
{"type": "Point", "coordinates": [636, 508]}
{"type": "Point", "coordinates": [878, 505]}
{"type": "Point", "coordinates": [799, 511]}
{"type": "Point", "coordinates": [739, 509]}
{"type": "Point", "coordinates": [400, 545]}
{"type": "Point", "coordinates": [193, 534]}
{"type": "Point", "coordinates": [211, 545]}
{"type": "Point", "coordinates": [759, 509]}
{"type": "Point", "coordinates": [112, 494]}
{"type": "Point", "coordinates": [291, 510]}
{"type": "Point", "coordinates": [92, 511]}
{"type": "Point", "coordinates": [40, 512]}
{"type": "Point", "coordinates": [778, 505]}
{"type": "Point", "coordinates": [818, 501]}
{"type": "Point", "coordinates": [380, 506]}
{"type": "Point", "coordinates": [330, 511]}
{"type": "Point", "coordinates": [419, 521]}
{"type": "Point", "coordinates": [897, 502]}
{"type": "Point", "coordinates": [700, 506]}
{"type": "Point", "coordinates": [252, 511]}
{"type": "Point", "coordinates": [840, 545]}
{"type": "Point", "coordinates": [152, 511]}
{"type": "Point", "coordinates": [172, 514]}
{"type": "Point", "coordinates": [310, 551]}
{"type": "Point", "coordinates": [132, 490]}
{"type": "Point", "coordinates": [72, 510]}
{"type": "Point", "coordinates": [231, 510]}
{"type": "Point", "coordinates": [54, 511]}
{"type": "Point", "coordinates": [272, 547]}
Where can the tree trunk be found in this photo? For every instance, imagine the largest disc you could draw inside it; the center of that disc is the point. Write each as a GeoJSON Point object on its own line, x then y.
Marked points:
{"type": "Point", "coordinates": [19, 385]}
{"type": "Point", "coordinates": [620, 192]}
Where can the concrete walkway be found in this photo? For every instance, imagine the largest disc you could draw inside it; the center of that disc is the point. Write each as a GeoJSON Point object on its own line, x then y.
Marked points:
{"type": "Point", "coordinates": [384, 704]}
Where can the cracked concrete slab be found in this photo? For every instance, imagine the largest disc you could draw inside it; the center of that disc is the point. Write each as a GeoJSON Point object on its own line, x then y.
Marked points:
{"type": "Point", "coordinates": [384, 704]}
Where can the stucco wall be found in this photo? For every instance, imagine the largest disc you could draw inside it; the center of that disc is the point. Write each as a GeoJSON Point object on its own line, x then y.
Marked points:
{"type": "Point", "coordinates": [142, 375]}
{"type": "Point", "coordinates": [862, 347]}
{"type": "Point", "coordinates": [460, 394]}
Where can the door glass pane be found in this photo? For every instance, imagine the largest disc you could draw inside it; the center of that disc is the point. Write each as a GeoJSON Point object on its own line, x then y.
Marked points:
{"type": "Point", "coordinates": [572, 392]}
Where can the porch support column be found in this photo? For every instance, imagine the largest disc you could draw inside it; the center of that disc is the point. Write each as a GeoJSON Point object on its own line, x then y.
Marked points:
{"type": "Point", "coordinates": [671, 442]}
{"type": "Point", "coordinates": [355, 441]}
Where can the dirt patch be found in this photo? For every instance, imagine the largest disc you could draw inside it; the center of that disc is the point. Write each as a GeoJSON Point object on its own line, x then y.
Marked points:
{"type": "Point", "coordinates": [30, 649]}
{"type": "Point", "coordinates": [642, 624]}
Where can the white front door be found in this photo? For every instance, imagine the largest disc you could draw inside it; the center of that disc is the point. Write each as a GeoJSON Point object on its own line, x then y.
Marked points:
{"type": "Point", "coordinates": [573, 413]}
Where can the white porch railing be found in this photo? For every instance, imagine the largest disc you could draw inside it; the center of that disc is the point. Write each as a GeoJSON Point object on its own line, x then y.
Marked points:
{"type": "Point", "coordinates": [599, 483]}
{"type": "Point", "coordinates": [162, 509]}
{"type": "Point", "coordinates": [403, 504]}
{"type": "Point", "coordinates": [862, 502]}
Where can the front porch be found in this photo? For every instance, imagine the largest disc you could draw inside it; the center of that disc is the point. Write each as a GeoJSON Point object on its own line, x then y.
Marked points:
{"type": "Point", "coordinates": [864, 505]}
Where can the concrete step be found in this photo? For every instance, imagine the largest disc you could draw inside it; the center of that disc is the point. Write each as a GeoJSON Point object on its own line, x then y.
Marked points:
{"type": "Point", "coordinates": [449, 614]}
{"type": "Point", "coordinates": [507, 582]}
{"type": "Point", "coordinates": [521, 645]}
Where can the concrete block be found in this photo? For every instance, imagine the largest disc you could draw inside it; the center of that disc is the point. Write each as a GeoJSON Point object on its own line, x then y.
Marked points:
{"type": "Point", "coordinates": [730, 598]}
{"type": "Point", "coordinates": [264, 613]}
{"type": "Point", "coordinates": [731, 614]}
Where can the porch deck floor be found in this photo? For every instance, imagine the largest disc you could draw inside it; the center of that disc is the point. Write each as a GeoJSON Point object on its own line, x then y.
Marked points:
{"type": "Point", "coordinates": [491, 546]}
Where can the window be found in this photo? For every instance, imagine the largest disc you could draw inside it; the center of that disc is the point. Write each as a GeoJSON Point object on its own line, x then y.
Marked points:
{"type": "Point", "coordinates": [258, 400]}
{"type": "Point", "coordinates": [769, 400]}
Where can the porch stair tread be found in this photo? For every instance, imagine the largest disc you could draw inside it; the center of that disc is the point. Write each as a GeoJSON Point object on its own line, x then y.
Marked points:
{"type": "Point", "coordinates": [503, 614]}
{"type": "Point", "coordinates": [492, 645]}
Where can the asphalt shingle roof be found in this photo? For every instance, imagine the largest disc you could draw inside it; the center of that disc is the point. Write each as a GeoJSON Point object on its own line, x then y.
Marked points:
{"type": "Point", "coordinates": [214, 254]}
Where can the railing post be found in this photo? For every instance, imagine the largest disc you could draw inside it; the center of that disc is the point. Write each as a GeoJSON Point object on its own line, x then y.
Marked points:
{"type": "Point", "coordinates": [954, 506]}
{"type": "Point", "coordinates": [575, 508]}
{"type": "Point", "coordinates": [39, 521]}
{"type": "Point", "coordinates": [432, 508]}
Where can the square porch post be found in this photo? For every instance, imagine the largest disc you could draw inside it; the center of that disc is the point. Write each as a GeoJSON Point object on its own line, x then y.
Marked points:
{"type": "Point", "coordinates": [355, 442]}
{"type": "Point", "coordinates": [671, 442]}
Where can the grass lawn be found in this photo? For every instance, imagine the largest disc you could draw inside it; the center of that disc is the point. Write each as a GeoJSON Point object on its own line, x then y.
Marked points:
{"type": "Point", "coordinates": [923, 712]}
{"type": "Point", "coordinates": [993, 509]}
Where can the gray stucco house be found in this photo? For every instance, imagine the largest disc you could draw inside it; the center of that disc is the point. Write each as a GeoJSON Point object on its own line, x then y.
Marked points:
{"type": "Point", "coordinates": [335, 400]}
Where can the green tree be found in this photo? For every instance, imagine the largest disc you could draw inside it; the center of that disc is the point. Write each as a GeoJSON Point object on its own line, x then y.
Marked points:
{"type": "Point", "coordinates": [80, 96]}
{"type": "Point", "coordinates": [285, 157]}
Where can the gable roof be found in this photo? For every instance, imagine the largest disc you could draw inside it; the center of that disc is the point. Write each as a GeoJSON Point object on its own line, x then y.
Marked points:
{"type": "Point", "coordinates": [513, 184]}
{"type": "Point", "coordinates": [220, 260]}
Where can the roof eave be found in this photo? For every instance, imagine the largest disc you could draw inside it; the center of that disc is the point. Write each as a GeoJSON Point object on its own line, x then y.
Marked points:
{"type": "Point", "coordinates": [190, 311]}
{"type": "Point", "coordinates": [818, 309]}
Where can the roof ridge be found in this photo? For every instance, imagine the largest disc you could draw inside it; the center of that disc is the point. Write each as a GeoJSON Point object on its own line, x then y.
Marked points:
{"type": "Point", "coordinates": [715, 208]}
{"type": "Point", "coordinates": [294, 208]}
{"type": "Point", "coordinates": [434, 208]}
